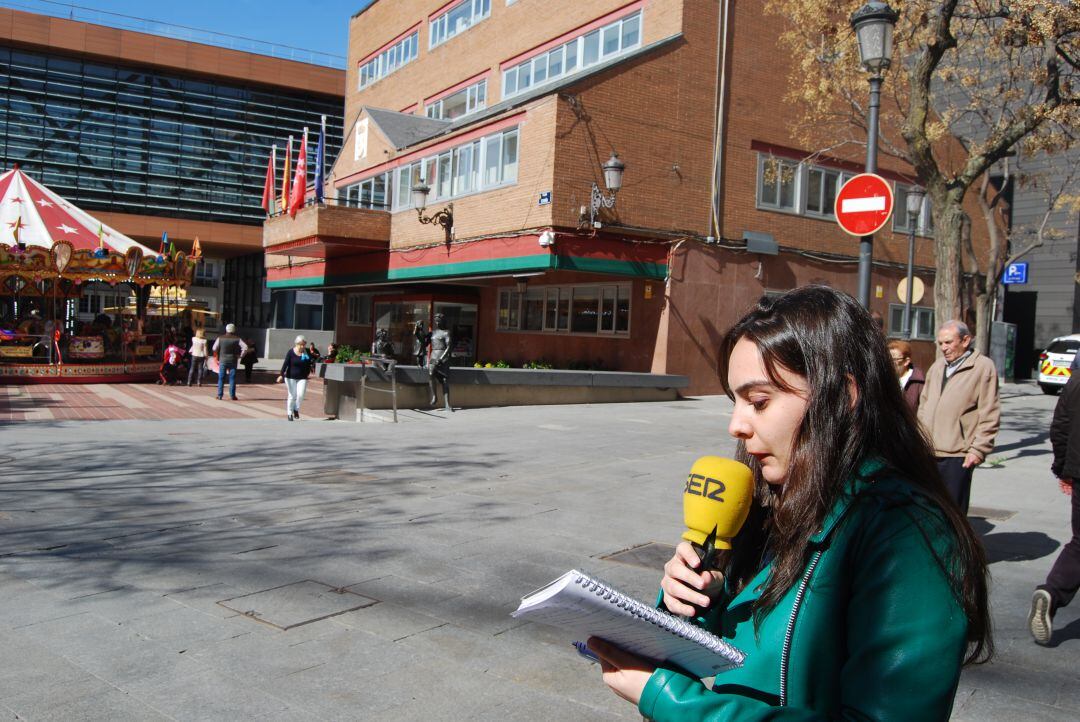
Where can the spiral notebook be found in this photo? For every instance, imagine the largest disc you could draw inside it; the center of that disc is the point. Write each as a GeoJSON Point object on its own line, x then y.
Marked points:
{"type": "Point", "coordinates": [590, 608]}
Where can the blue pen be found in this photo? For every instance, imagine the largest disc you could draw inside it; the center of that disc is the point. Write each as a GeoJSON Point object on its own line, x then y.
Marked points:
{"type": "Point", "coordinates": [585, 652]}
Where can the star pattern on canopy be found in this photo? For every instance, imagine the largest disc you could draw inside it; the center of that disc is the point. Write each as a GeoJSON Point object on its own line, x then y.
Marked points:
{"type": "Point", "coordinates": [43, 217]}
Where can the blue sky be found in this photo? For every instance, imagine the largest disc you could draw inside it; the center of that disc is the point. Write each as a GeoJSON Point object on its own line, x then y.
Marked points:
{"type": "Point", "coordinates": [321, 25]}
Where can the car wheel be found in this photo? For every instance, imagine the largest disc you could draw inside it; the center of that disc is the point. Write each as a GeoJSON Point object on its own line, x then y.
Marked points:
{"type": "Point", "coordinates": [1051, 389]}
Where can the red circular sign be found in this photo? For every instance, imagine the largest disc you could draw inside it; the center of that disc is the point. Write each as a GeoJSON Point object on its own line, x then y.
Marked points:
{"type": "Point", "coordinates": [864, 204]}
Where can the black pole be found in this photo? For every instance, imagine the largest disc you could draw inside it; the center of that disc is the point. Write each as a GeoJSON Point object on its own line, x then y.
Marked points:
{"type": "Point", "coordinates": [866, 243]}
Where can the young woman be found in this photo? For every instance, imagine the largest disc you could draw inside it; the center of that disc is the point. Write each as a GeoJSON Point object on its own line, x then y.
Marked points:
{"type": "Point", "coordinates": [198, 357]}
{"type": "Point", "coordinates": [295, 370]}
{"type": "Point", "coordinates": [856, 588]}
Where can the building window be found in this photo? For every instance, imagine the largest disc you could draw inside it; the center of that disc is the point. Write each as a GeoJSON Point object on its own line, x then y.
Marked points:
{"type": "Point", "coordinates": [616, 38]}
{"type": "Point", "coordinates": [465, 101]}
{"type": "Point", "coordinates": [371, 193]}
{"type": "Point", "coordinates": [458, 19]}
{"type": "Point", "coordinates": [359, 309]}
{"type": "Point", "coordinates": [597, 310]}
{"type": "Point", "coordinates": [787, 185]}
{"type": "Point", "coordinates": [389, 60]}
{"type": "Point", "coordinates": [901, 219]}
{"type": "Point", "coordinates": [207, 274]}
{"type": "Point", "coordinates": [821, 187]}
{"type": "Point", "coordinates": [479, 165]}
{"type": "Point", "coordinates": [778, 181]}
{"type": "Point", "coordinates": [922, 322]}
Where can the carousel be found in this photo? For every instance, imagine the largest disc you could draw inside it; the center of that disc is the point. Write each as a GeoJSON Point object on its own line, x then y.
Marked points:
{"type": "Point", "coordinates": [79, 301]}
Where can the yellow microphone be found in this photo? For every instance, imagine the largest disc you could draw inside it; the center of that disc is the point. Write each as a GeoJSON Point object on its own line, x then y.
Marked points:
{"type": "Point", "coordinates": [716, 502]}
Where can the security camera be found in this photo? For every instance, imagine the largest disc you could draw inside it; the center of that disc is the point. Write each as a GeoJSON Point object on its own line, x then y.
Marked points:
{"type": "Point", "coordinates": [547, 238]}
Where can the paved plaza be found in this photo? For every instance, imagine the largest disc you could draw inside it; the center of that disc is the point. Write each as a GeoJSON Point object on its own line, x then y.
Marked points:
{"type": "Point", "coordinates": [220, 564]}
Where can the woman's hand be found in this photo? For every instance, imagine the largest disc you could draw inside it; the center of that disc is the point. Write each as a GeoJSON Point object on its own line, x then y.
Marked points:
{"type": "Point", "coordinates": [626, 674]}
{"type": "Point", "coordinates": [687, 592]}
{"type": "Point", "coordinates": [280, 379]}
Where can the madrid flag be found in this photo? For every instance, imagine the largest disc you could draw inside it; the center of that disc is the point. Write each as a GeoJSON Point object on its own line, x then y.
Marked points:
{"type": "Point", "coordinates": [299, 185]}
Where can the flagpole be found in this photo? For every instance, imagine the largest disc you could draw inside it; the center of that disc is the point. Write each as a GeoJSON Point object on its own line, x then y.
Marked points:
{"type": "Point", "coordinates": [273, 165]}
{"type": "Point", "coordinates": [320, 161]}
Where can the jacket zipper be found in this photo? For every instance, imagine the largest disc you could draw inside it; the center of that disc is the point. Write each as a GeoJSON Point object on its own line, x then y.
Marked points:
{"type": "Point", "coordinates": [785, 653]}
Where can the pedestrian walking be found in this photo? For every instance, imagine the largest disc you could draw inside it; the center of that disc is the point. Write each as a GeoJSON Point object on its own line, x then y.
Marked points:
{"type": "Point", "coordinates": [228, 348]}
{"type": "Point", "coordinates": [959, 409]}
{"type": "Point", "coordinates": [1064, 578]}
{"type": "Point", "coordinates": [295, 370]}
{"type": "Point", "coordinates": [912, 379]}
{"type": "Point", "coordinates": [198, 357]}
{"type": "Point", "coordinates": [855, 587]}
{"type": "Point", "coordinates": [248, 360]}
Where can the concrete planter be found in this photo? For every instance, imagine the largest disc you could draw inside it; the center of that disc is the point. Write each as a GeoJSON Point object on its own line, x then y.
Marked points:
{"type": "Point", "coordinates": [478, 387]}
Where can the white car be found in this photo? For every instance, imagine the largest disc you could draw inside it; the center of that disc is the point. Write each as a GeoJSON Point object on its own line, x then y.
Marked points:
{"type": "Point", "coordinates": [1055, 361]}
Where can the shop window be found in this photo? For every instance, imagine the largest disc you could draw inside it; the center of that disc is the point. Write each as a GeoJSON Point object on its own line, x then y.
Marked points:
{"type": "Point", "coordinates": [586, 309]}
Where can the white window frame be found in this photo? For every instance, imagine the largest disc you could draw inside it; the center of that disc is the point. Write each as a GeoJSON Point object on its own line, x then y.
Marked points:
{"type": "Point", "coordinates": [475, 99]}
{"type": "Point", "coordinates": [475, 150]}
{"type": "Point", "coordinates": [207, 273]}
{"type": "Point", "coordinates": [439, 30]}
{"type": "Point", "coordinates": [827, 205]}
{"type": "Point", "coordinates": [512, 76]}
{"type": "Point", "coordinates": [896, 330]}
{"type": "Point", "coordinates": [510, 309]}
{"type": "Point", "coordinates": [925, 227]}
{"type": "Point", "coordinates": [783, 165]}
{"type": "Point", "coordinates": [392, 58]}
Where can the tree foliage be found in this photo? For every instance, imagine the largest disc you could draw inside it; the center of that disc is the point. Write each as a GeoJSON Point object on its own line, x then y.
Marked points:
{"type": "Point", "coordinates": [972, 82]}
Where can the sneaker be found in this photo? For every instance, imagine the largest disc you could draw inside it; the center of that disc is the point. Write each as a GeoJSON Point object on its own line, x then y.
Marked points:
{"type": "Point", "coordinates": [219, 398]}
{"type": "Point", "coordinates": [1039, 620]}
{"type": "Point", "coordinates": [290, 417]}
{"type": "Point", "coordinates": [234, 398]}
{"type": "Point", "coordinates": [296, 414]}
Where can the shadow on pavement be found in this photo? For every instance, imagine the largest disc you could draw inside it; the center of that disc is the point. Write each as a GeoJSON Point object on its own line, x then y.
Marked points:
{"type": "Point", "coordinates": [1064, 634]}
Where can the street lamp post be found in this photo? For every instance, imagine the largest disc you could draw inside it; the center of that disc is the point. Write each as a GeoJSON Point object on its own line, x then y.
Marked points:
{"type": "Point", "coordinates": [873, 24]}
{"type": "Point", "coordinates": [914, 208]}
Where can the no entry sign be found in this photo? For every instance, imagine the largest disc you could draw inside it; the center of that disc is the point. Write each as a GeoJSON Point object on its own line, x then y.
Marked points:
{"type": "Point", "coordinates": [864, 204]}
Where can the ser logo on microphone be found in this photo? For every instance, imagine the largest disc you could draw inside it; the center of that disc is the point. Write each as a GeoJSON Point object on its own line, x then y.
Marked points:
{"type": "Point", "coordinates": [700, 485]}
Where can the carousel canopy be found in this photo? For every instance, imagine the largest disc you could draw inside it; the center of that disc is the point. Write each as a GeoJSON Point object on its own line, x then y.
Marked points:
{"type": "Point", "coordinates": [36, 216]}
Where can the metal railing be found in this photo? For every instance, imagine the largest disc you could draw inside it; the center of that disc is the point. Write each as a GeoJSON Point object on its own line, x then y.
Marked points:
{"type": "Point", "coordinates": [71, 11]}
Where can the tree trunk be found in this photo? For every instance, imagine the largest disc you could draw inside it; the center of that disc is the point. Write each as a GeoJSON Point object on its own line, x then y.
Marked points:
{"type": "Point", "coordinates": [984, 302]}
{"type": "Point", "coordinates": [948, 227]}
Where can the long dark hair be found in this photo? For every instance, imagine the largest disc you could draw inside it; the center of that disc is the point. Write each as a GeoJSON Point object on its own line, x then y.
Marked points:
{"type": "Point", "coordinates": [826, 337]}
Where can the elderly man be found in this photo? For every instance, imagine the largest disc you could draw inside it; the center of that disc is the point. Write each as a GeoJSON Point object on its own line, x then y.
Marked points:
{"type": "Point", "coordinates": [959, 409]}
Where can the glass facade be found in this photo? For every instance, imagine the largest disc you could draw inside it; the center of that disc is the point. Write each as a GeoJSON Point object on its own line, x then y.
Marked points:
{"type": "Point", "coordinates": [136, 140]}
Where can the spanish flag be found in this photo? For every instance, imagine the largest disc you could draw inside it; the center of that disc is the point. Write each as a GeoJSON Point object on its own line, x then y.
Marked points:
{"type": "Point", "coordinates": [285, 177]}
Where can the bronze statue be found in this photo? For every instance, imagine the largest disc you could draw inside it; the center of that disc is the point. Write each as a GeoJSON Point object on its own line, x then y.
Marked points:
{"type": "Point", "coordinates": [439, 360]}
{"type": "Point", "coordinates": [383, 346]}
{"type": "Point", "coordinates": [421, 339]}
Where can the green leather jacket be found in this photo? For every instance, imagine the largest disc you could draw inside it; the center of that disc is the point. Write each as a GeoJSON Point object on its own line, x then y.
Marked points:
{"type": "Point", "coordinates": [877, 633]}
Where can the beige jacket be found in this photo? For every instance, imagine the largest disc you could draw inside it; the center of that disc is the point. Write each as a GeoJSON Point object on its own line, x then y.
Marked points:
{"type": "Point", "coordinates": [965, 415]}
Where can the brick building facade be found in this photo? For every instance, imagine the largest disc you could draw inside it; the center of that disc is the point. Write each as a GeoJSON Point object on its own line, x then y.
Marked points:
{"type": "Point", "coordinates": [509, 111]}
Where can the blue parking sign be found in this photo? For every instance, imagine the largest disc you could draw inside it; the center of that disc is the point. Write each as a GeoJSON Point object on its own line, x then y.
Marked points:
{"type": "Point", "coordinates": [1015, 274]}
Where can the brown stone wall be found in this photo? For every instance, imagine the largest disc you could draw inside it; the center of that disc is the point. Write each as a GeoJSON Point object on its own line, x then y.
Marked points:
{"type": "Point", "coordinates": [713, 287]}
{"type": "Point", "coordinates": [658, 114]}
{"type": "Point", "coordinates": [134, 48]}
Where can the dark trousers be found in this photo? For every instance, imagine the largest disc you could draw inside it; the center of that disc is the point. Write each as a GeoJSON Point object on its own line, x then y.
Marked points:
{"type": "Point", "coordinates": [1064, 577]}
{"type": "Point", "coordinates": [957, 479]}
